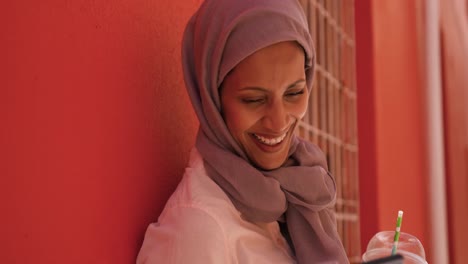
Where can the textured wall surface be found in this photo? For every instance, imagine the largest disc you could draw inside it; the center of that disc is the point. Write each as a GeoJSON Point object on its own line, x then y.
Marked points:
{"type": "Point", "coordinates": [96, 127]}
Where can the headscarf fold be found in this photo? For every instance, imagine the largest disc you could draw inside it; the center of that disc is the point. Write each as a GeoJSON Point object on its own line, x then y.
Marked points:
{"type": "Point", "coordinates": [301, 192]}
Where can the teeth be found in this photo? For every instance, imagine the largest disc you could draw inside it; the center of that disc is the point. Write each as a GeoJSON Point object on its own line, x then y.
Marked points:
{"type": "Point", "coordinates": [270, 141]}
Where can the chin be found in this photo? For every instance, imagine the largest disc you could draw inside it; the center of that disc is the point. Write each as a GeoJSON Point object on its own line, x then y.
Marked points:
{"type": "Point", "coordinates": [269, 164]}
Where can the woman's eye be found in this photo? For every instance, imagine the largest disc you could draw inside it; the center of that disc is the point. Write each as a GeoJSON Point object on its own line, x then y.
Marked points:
{"type": "Point", "coordinates": [296, 93]}
{"type": "Point", "coordinates": [253, 100]}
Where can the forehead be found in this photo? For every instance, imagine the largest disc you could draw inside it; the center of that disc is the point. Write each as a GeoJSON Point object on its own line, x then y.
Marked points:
{"type": "Point", "coordinates": [284, 61]}
{"type": "Point", "coordinates": [283, 52]}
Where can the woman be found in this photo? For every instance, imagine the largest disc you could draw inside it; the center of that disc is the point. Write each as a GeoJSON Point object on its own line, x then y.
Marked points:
{"type": "Point", "coordinates": [253, 192]}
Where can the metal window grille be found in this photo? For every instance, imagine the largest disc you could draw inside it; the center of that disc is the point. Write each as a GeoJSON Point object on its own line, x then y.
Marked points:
{"type": "Point", "coordinates": [331, 121]}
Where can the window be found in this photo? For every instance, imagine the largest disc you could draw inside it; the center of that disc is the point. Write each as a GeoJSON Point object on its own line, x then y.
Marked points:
{"type": "Point", "coordinates": [331, 121]}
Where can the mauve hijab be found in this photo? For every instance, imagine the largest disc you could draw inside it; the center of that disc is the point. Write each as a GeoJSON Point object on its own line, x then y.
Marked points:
{"type": "Point", "coordinates": [301, 192]}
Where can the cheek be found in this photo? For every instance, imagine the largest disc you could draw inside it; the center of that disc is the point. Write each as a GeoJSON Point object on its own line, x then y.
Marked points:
{"type": "Point", "coordinates": [239, 121]}
{"type": "Point", "coordinates": [301, 107]}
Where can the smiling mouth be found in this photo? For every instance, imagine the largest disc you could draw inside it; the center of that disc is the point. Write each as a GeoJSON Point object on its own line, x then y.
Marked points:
{"type": "Point", "coordinates": [270, 141]}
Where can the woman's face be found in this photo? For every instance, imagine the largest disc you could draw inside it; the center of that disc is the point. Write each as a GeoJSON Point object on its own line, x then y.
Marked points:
{"type": "Point", "coordinates": [262, 100]}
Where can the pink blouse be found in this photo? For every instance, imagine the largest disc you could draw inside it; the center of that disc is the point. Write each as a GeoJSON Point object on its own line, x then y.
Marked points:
{"type": "Point", "coordinates": [200, 225]}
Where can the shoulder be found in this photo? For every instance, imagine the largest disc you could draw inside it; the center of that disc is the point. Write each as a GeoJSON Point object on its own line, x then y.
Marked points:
{"type": "Point", "coordinates": [194, 224]}
{"type": "Point", "coordinates": [198, 191]}
{"type": "Point", "coordinates": [186, 234]}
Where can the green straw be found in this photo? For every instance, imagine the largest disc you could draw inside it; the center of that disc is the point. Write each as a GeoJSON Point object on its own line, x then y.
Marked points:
{"type": "Point", "coordinates": [397, 232]}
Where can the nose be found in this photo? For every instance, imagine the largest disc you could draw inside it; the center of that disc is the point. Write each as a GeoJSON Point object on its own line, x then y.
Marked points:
{"type": "Point", "coordinates": [276, 117]}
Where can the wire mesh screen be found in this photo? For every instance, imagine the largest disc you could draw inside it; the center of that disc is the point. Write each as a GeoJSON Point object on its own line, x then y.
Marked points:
{"type": "Point", "coordinates": [331, 121]}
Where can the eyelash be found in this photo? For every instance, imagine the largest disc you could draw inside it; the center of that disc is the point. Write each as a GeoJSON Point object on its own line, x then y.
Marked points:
{"type": "Point", "coordinates": [252, 101]}
{"type": "Point", "coordinates": [261, 100]}
{"type": "Point", "coordinates": [296, 93]}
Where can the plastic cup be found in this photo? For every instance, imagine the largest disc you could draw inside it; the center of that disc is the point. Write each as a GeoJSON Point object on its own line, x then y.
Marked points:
{"type": "Point", "coordinates": [409, 247]}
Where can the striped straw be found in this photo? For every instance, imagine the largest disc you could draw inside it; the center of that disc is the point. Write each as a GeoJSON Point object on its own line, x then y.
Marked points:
{"type": "Point", "coordinates": [397, 232]}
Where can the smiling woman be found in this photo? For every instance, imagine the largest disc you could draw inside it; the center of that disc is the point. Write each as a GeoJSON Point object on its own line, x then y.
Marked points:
{"type": "Point", "coordinates": [262, 101]}
{"type": "Point", "coordinates": [254, 192]}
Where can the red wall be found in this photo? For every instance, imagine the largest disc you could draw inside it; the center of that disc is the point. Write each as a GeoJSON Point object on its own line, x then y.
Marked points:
{"type": "Point", "coordinates": [95, 126]}
{"type": "Point", "coordinates": [454, 29]}
{"type": "Point", "coordinates": [390, 118]}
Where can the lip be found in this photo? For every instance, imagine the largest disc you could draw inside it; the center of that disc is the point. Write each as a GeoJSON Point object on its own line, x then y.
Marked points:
{"type": "Point", "coordinates": [270, 140]}
{"type": "Point", "coordinates": [268, 148]}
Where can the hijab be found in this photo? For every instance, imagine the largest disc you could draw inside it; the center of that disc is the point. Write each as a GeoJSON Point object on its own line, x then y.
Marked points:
{"type": "Point", "coordinates": [301, 192]}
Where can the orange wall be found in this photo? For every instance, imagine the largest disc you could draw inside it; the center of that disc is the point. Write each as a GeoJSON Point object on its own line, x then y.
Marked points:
{"type": "Point", "coordinates": [95, 126]}
{"type": "Point", "coordinates": [390, 118]}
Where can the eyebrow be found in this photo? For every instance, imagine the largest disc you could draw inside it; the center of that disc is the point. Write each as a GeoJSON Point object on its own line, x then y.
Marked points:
{"type": "Point", "coordinates": [264, 89]}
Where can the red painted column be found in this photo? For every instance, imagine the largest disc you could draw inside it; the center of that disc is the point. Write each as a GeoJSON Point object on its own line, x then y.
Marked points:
{"type": "Point", "coordinates": [95, 126]}
{"type": "Point", "coordinates": [454, 34]}
{"type": "Point", "coordinates": [366, 108]}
